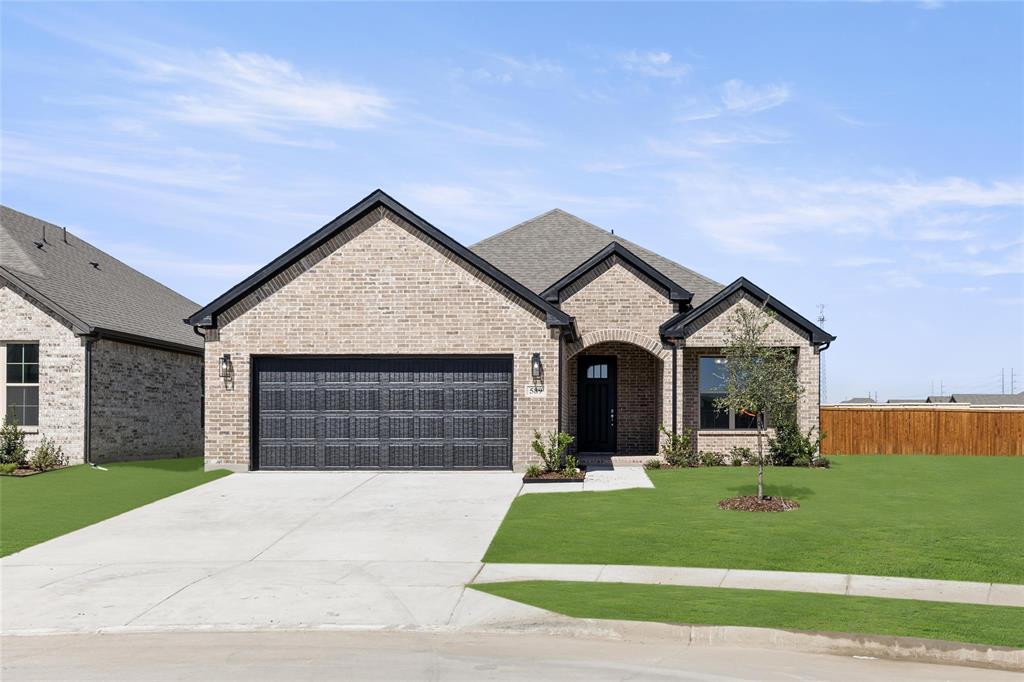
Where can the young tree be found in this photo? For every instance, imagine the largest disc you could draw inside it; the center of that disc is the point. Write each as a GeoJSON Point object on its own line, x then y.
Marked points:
{"type": "Point", "coordinates": [760, 379]}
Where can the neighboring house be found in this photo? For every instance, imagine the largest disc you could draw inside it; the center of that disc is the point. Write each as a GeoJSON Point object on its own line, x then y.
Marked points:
{"type": "Point", "coordinates": [858, 401]}
{"type": "Point", "coordinates": [906, 401]}
{"type": "Point", "coordinates": [380, 341]}
{"type": "Point", "coordinates": [992, 399]}
{"type": "Point", "coordinates": [938, 399]}
{"type": "Point", "coordinates": [94, 352]}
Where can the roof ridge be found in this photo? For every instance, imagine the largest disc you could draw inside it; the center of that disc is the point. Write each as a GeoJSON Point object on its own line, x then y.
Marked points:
{"type": "Point", "coordinates": [105, 253]}
{"type": "Point", "coordinates": [520, 224]}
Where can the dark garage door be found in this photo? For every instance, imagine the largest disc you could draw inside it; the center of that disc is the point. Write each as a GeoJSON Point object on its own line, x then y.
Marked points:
{"type": "Point", "coordinates": [383, 413]}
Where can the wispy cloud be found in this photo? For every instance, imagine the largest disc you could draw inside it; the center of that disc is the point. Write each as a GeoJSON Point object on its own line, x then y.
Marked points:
{"type": "Point", "coordinates": [741, 98]}
{"type": "Point", "coordinates": [653, 63]}
{"type": "Point", "coordinates": [861, 261]}
{"type": "Point", "coordinates": [505, 69]}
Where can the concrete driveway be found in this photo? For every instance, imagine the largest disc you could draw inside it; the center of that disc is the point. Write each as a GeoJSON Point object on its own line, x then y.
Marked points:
{"type": "Point", "coordinates": [274, 550]}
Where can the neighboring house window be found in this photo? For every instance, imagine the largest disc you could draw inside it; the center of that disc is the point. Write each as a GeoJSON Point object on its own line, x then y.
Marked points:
{"type": "Point", "coordinates": [712, 374]}
{"type": "Point", "coordinates": [21, 383]}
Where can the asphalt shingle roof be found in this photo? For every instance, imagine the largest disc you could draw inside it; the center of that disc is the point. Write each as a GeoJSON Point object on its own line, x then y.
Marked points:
{"type": "Point", "coordinates": [989, 398]}
{"type": "Point", "coordinates": [540, 251]}
{"type": "Point", "coordinates": [112, 296]}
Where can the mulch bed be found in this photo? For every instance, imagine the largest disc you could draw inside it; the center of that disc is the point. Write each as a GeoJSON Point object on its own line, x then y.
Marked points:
{"type": "Point", "coordinates": [556, 477]}
{"type": "Point", "coordinates": [753, 503]}
{"type": "Point", "coordinates": [25, 471]}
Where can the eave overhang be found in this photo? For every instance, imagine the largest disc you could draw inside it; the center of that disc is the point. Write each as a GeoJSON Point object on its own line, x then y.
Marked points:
{"type": "Point", "coordinates": [685, 323]}
{"type": "Point", "coordinates": [673, 291]}
{"type": "Point", "coordinates": [206, 317]}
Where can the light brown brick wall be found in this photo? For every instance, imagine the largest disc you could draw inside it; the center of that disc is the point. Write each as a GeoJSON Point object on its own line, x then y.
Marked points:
{"type": "Point", "coordinates": [145, 403]}
{"type": "Point", "coordinates": [708, 341]}
{"type": "Point", "coordinates": [616, 303]}
{"type": "Point", "coordinates": [380, 288]}
{"type": "Point", "coordinates": [61, 370]}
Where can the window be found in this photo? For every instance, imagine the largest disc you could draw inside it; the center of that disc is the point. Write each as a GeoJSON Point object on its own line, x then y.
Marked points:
{"type": "Point", "coordinates": [21, 383]}
{"type": "Point", "coordinates": [597, 371]}
{"type": "Point", "coordinates": [712, 374]}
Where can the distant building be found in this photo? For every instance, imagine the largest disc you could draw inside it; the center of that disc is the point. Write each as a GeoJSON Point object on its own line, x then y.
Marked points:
{"type": "Point", "coordinates": [859, 401]}
{"type": "Point", "coordinates": [906, 401]}
{"type": "Point", "coordinates": [939, 399]}
{"type": "Point", "coordinates": [988, 398]}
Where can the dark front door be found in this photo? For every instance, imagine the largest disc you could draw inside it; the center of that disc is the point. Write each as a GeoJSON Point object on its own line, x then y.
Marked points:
{"type": "Point", "coordinates": [596, 404]}
{"type": "Point", "coordinates": [383, 413]}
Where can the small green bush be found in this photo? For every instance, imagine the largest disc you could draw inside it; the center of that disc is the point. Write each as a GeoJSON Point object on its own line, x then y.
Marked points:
{"type": "Point", "coordinates": [678, 448]}
{"type": "Point", "coordinates": [652, 464]}
{"type": "Point", "coordinates": [572, 466]}
{"type": "Point", "coordinates": [7, 469]}
{"type": "Point", "coordinates": [12, 443]}
{"type": "Point", "coordinates": [711, 459]}
{"type": "Point", "coordinates": [792, 447]}
{"type": "Point", "coordinates": [551, 452]}
{"type": "Point", "coordinates": [821, 462]}
{"type": "Point", "coordinates": [533, 471]}
{"type": "Point", "coordinates": [739, 456]}
{"type": "Point", "coordinates": [48, 455]}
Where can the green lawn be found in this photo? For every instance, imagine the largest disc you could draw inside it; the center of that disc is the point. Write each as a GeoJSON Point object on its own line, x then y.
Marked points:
{"type": "Point", "coordinates": [978, 624]}
{"type": "Point", "coordinates": [953, 518]}
{"type": "Point", "coordinates": [37, 508]}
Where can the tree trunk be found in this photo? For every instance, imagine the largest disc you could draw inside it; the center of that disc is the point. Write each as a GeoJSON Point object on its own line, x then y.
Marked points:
{"type": "Point", "coordinates": [760, 456]}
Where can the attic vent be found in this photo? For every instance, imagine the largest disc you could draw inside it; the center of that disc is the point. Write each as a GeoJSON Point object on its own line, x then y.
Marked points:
{"type": "Point", "coordinates": [39, 245]}
{"type": "Point", "coordinates": [94, 264]}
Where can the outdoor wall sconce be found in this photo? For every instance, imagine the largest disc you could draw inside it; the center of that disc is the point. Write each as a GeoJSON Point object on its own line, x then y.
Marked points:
{"type": "Point", "coordinates": [535, 367]}
{"type": "Point", "coordinates": [224, 366]}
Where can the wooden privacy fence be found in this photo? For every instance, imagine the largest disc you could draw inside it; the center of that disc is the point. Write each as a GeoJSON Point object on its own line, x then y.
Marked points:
{"type": "Point", "coordinates": [879, 430]}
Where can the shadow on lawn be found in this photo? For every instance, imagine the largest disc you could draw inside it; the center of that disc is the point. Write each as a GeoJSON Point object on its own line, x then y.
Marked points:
{"type": "Point", "coordinates": [793, 492]}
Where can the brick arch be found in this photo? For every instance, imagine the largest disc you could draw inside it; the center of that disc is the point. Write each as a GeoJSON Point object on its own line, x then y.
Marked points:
{"type": "Point", "coordinates": [651, 345]}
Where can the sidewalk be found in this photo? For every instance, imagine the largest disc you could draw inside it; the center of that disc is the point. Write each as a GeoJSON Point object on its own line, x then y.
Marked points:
{"type": "Point", "coordinates": [996, 594]}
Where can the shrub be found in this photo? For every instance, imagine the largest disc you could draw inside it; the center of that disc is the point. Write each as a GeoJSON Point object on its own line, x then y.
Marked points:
{"type": "Point", "coordinates": [792, 447]}
{"type": "Point", "coordinates": [739, 456]}
{"type": "Point", "coordinates": [572, 466]}
{"type": "Point", "coordinates": [533, 471]}
{"type": "Point", "coordinates": [821, 462]}
{"type": "Point", "coordinates": [678, 448]}
{"type": "Point", "coordinates": [7, 469]}
{"type": "Point", "coordinates": [711, 459]}
{"type": "Point", "coordinates": [12, 443]}
{"type": "Point", "coordinates": [652, 464]}
{"type": "Point", "coordinates": [48, 455]}
{"type": "Point", "coordinates": [551, 453]}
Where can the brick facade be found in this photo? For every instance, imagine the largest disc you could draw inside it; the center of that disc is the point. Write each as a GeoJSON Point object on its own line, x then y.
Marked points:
{"type": "Point", "coordinates": [61, 371]}
{"type": "Point", "coordinates": [146, 403]}
{"type": "Point", "coordinates": [379, 287]}
{"type": "Point", "coordinates": [708, 341]}
{"type": "Point", "coordinates": [619, 309]}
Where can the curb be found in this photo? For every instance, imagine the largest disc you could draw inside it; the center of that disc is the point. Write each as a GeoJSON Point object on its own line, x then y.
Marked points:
{"type": "Point", "coordinates": [835, 643]}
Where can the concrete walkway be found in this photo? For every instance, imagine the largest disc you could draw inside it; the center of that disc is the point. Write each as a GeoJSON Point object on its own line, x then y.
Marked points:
{"type": "Point", "coordinates": [596, 480]}
{"type": "Point", "coordinates": [997, 594]}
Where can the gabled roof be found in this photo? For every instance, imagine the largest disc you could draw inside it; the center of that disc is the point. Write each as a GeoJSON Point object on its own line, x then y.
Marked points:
{"type": "Point", "coordinates": [685, 323]}
{"type": "Point", "coordinates": [939, 399]}
{"type": "Point", "coordinates": [859, 401]}
{"type": "Point", "coordinates": [207, 316]}
{"type": "Point", "coordinates": [110, 299]}
{"type": "Point", "coordinates": [542, 250]}
{"type": "Point", "coordinates": [617, 250]}
{"type": "Point", "coordinates": [988, 398]}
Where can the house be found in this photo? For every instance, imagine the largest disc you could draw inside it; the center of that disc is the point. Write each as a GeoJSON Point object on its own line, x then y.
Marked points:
{"type": "Point", "coordinates": [988, 399]}
{"type": "Point", "coordinates": [858, 401]}
{"type": "Point", "coordinates": [379, 341]}
{"type": "Point", "coordinates": [906, 401]}
{"type": "Point", "coordinates": [938, 399]}
{"type": "Point", "coordinates": [95, 355]}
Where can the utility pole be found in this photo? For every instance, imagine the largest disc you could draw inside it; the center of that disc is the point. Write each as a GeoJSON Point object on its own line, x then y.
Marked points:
{"type": "Point", "coordinates": [823, 397]}
{"type": "Point", "coordinates": [1013, 385]}
{"type": "Point", "coordinates": [1002, 381]}
{"type": "Point", "coordinates": [942, 390]}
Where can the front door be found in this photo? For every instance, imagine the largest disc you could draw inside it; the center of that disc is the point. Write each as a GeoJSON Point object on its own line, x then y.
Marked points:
{"type": "Point", "coordinates": [596, 404]}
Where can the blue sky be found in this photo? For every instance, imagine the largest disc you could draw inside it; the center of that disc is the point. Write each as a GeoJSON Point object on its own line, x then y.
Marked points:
{"type": "Point", "coordinates": [866, 156]}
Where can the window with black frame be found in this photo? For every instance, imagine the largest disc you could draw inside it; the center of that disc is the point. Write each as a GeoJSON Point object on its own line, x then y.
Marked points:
{"type": "Point", "coordinates": [21, 385]}
{"type": "Point", "coordinates": [712, 372]}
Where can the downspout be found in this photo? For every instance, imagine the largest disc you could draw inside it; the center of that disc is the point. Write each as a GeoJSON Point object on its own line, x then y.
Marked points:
{"type": "Point", "coordinates": [87, 445]}
{"type": "Point", "coordinates": [675, 387]}
{"type": "Point", "coordinates": [561, 370]}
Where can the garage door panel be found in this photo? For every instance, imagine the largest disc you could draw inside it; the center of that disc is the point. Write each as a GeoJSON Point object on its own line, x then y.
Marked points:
{"type": "Point", "coordinates": [403, 413]}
